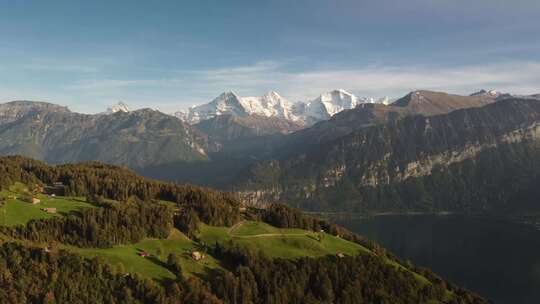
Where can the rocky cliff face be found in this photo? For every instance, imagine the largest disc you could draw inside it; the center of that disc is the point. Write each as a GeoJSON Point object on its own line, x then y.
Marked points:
{"type": "Point", "coordinates": [54, 134]}
{"type": "Point", "coordinates": [345, 170]}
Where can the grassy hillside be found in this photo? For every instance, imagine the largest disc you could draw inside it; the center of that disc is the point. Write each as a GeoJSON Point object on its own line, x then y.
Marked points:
{"type": "Point", "coordinates": [17, 212]}
{"type": "Point", "coordinates": [274, 242]}
{"type": "Point", "coordinates": [154, 266]}
{"type": "Point", "coordinates": [280, 243]}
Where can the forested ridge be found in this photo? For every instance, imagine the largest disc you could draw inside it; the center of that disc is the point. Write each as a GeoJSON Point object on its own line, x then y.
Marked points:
{"type": "Point", "coordinates": [129, 208]}
{"type": "Point", "coordinates": [112, 224]}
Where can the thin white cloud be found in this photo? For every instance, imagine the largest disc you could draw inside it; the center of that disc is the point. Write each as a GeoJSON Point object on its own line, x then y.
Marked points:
{"type": "Point", "coordinates": [515, 77]}
{"type": "Point", "coordinates": [196, 87]}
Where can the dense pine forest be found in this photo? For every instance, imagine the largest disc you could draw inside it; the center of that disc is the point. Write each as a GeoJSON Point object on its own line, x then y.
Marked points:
{"type": "Point", "coordinates": [39, 261]}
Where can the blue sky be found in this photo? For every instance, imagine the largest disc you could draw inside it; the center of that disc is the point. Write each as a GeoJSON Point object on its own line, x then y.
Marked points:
{"type": "Point", "coordinates": [172, 54]}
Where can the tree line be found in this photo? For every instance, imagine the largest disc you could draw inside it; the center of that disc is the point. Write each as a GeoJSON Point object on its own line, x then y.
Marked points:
{"type": "Point", "coordinates": [108, 225]}
{"type": "Point", "coordinates": [120, 184]}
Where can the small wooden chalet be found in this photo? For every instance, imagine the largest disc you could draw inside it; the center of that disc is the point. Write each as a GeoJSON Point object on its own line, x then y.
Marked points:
{"type": "Point", "coordinates": [49, 210]}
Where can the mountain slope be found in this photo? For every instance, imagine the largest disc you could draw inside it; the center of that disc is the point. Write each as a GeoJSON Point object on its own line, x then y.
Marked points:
{"type": "Point", "coordinates": [378, 168]}
{"type": "Point", "coordinates": [56, 135]}
{"type": "Point", "coordinates": [433, 103]}
{"type": "Point", "coordinates": [229, 127]}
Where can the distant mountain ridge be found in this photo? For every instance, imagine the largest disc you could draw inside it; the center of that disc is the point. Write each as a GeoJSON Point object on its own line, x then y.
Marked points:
{"type": "Point", "coordinates": [138, 138]}
{"type": "Point", "coordinates": [224, 145]}
{"type": "Point", "coordinates": [14, 110]}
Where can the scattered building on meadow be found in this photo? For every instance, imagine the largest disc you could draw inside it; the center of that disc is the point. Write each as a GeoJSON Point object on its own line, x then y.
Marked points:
{"type": "Point", "coordinates": [35, 201]}
{"type": "Point", "coordinates": [144, 254]}
{"type": "Point", "coordinates": [197, 255]}
{"type": "Point", "coordinates": [340, 255]}
{"type": "Point", "coordinates": [49, 210]}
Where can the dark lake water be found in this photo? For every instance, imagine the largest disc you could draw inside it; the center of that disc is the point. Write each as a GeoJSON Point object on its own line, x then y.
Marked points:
{"type": "Point", "coordinates": [497, 259]}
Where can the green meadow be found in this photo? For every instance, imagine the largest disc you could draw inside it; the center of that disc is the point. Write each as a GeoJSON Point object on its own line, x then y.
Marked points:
{"type": "Point", "coordinates": [159, 249]}
{"type": "Point", "coordinates": [280, 243]}
{"type": "Point", "coordinates": [17, 212]}
{"type": "Point", "coordinates": [274, 242]}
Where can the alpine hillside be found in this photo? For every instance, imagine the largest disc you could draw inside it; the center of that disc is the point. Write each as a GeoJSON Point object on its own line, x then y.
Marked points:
{"type": "Point", "coordinates": [474, 160]}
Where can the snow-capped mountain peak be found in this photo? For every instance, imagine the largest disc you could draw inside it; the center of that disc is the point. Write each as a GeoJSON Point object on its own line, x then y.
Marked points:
{"type": "Point", "coordinates": [327, 105]}
{"type": "Point", "coordinates": [119, 107]}
{"type": "Point", "coordinates": [337, 101]}
{"type": "Point", "coordinates": [271, 104]}
{"type": "Point", "coordinates": [225, 103]}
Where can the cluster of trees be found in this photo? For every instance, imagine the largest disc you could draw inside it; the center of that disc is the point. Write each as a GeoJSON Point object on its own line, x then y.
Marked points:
{"type": "Point", "coordinates": [31, 275]}
{"type": "Point", "coordinates": [358, 279]}
{"type": "Point", "coordinates": [12, 171]}
{"type": "Point", "coordinates": [118, 183]}
{"type": "Point", "coordinates": [111, 224]}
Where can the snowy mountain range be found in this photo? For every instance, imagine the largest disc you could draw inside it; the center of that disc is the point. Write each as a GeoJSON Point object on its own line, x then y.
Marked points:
{"type": "Point", "coordinates": [272, 104]}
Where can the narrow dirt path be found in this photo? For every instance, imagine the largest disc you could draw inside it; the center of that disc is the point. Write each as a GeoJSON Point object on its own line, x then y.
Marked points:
{"type": "Point", "coordinates": [271, 234]}
{"type": "Point", "coordinates": [235, 226]}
